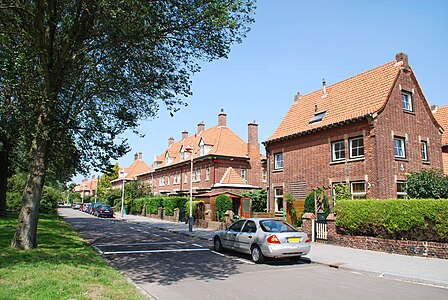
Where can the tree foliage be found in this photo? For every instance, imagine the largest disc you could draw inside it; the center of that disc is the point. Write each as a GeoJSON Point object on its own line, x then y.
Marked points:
{"type": "Point", "coordinates": [91, 69]}
{"type": "Point", "coordinates": [259, 199]}
{"type": "Point", "coordinates": [341, 192]}
{"type": "Point", "coordinates": [223, 203]}
{"type": "Point", "coordinates": [309, 202]}
{"type": "Point", "coordinates": [427, 184]}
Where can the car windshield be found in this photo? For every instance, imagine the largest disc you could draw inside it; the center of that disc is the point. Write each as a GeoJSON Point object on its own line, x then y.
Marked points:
{"type": "Point", "coordinates": [276, 226]}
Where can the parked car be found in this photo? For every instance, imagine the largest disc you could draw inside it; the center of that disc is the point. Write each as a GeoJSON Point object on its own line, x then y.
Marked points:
{"type": "Point", "coordinates": [76, 205]}
{"type": "Point", "coordinates": [95, 206]}
{"type": "Point", "coordinates": [86, 208]}
{"type": "Point", "coordinates": [262, 238]}
{"type": "Point", "coordinates": [104, 211]}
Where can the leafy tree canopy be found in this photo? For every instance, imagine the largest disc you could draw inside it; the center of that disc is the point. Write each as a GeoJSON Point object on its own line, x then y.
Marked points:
{"type": "Point", "coordinates": [429, 184]}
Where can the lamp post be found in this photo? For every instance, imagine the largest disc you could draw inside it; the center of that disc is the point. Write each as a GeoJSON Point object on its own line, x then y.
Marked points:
{"type": "Point", "coordinates": [190, 219]}
{"type": "Point", "coordinates": [83, 192]}
{"type": "Point", "coordinates": [122, 198]}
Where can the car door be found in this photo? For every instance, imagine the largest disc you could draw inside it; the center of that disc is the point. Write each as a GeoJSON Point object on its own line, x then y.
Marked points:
{"type": "Point", "coordinates": [231, 233]}
{"type": "Point", "coordinates": [245, 237]}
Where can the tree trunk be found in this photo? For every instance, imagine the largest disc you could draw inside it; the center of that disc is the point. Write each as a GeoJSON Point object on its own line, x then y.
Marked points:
{"type": "Point", "coordinates": [4, 157]}
{"type": "Point", "coordinates": [26, 232]}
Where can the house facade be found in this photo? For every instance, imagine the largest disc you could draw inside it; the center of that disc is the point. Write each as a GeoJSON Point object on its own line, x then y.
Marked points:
{"type": "Point", "coordinates": [129, 174]}
{"type": "Point", "coordinates": [222, 163]}
{"type": "Point", "coordinates": [87, 187]}
{"type": "Point", "coordinates": [441, 115]}
{"type": "Point", "coordinates": [367, 132]}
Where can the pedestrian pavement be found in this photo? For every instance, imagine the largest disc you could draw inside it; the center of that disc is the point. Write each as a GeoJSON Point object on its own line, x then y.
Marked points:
{"type": "Point", "coordinates": [432, 271]}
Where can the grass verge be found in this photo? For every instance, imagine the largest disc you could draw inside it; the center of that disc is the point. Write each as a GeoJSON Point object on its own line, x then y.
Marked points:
{"type": "Point", "coordinates": [62, 267]}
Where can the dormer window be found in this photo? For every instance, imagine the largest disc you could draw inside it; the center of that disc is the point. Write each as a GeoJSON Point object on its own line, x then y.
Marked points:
{"type": "Point", "coordinates": [184, 154]}
{"type": "Point", "coordinates": [168, 159]}
{"type": "Point", "coordinates": [318, 116]}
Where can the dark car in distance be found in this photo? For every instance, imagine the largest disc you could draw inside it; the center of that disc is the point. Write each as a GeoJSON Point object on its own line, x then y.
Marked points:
{"type": "Point", "coordinates": [104, 211]}
{"type": "Point", "coordinates": [95, 207]}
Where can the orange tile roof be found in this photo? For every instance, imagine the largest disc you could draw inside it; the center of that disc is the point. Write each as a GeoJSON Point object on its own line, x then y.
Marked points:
{"type": "Point", "coordinates": [138, 166]}
{"type": "Point", "coordinates": [441, 115]}
{"type": "Point", "coordinates": [232, 177]}
{"type": "Point", "coordinates": [221, 139]}
{"type": "Point", "coordinates": [355, 97]}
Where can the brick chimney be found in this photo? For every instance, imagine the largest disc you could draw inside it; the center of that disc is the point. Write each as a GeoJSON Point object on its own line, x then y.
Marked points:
{"type": "Point", "coordinates": [222, 118]}
{"type": "Point", "coordinates": [297, 97]}
{"type": "Point", "coordinates": [140, 155]}
{"type": "Point", "coordinates": [402, 57]}
{"type": "Point", "coordinates": [201, 127]}
{"type": "Point", "coordinates": [252, 136]}
{"type": "Point", "coordinates": [184, 134]}
{"type": "Point", "coordinates": [170, 141]}
{"type": "Point", "coordinates": [135, 156]}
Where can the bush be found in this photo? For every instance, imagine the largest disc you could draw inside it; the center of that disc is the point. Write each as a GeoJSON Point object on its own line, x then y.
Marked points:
{"type": "Point", "coordinates": [222, 204]}
{"type": "Point", "coordinates": [170, 203]}
{"type": "Point", "coordinates": [136, 205]}
{"type": "Point", "coordinates": [309, 202]}
{"type": "Point", "coordinates": [194, 206]}
{"type": "Point", "coordinates": [417, 219]}
{"type": "Point", "coordinates": [259, 200]}
{"type": "Point", "coordinates": [49, 200]}
{"type": "Point", "coordinates": [153, 204]}
{"type": "Point", "coordinates": [427, 184]}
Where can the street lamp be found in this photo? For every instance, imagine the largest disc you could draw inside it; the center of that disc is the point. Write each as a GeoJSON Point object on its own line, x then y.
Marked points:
{"type": "Point", "coordinates": [83, 191]}
{"type": "Point", "coordinates": [122, 198]}
{"type": "Point", "coordinates": [190, 219]}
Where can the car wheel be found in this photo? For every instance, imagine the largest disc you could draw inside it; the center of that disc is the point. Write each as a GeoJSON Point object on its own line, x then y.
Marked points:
{"type": "Point", "coordinates": [217, 244]}
{"type": "Point", "coordinates": [257, 255]}
{"type": "Point", "coordinates": [294, 259]}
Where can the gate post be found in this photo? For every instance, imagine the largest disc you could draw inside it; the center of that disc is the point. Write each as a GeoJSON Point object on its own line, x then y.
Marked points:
{"type": "Point", "coordinates": [331, 227]}
{"type": "Point", "coordinates": [307, 224]}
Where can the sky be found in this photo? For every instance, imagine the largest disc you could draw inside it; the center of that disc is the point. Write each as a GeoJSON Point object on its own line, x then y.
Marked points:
{"type": "Point", "coordinates": [291, 47]}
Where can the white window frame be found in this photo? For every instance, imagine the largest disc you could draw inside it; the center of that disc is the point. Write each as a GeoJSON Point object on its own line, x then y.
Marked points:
{"type": "Point", "coordinates": [424, 147]}
{"type": "Point", "coordinates": [168, 180]}
{"type": "Point", "coordinates": [207, 173]}
{"type": "Point", "coordinates": [278, 197]}
{"type": "Point", "coordinates": [185, 178]}
{"type": "Point", "coordinates": [358, 195]}
{"type": "Point", "coordinates": [244, 174]}
{"type": "Point", "coordinates": [399, 147]}
{"type": "Point", "coordinates": [278, 161]}
{"type": "Point", "coordinates": [198, 174]}
{"type": "Point", "coordinates": [264, 175]}
{"type": "Point", "coordinates": [405, 194]}
{"type": "Point", "coordinates": [407, 101]}
{"type": "Point", "coordinates": [357, 148]}
{"type": "Point", "coordinates": [334, 151]}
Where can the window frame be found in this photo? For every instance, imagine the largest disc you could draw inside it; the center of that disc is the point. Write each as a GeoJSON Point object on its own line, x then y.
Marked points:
{"type": "Point", "coordinates": [402, 141]}
{"type": "Point", "coordinates": [351, 148]}
{"type": "Point", "coordinates": [276, 161]}
{"type": "Point", "coordinates": [358, 195]}
{"type": "Point", "coordinates": [277, 197]}
{"type": "Point", "coordinates": [244, 173]}
{"type": "Point", "coordinates": [424, 150]}
{"type": "Point", "coordinates": [333, 150]}
{"type": "Point", "coordinates": [207, 173]}
{"type": "Point", "coordinates": [400, 194]}
{"type": "Point", "coordinates": [409, 103]}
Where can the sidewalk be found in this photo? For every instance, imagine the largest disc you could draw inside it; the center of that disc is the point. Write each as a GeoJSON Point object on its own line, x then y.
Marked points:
{"type": "Point", "coordinates": [408, 268]}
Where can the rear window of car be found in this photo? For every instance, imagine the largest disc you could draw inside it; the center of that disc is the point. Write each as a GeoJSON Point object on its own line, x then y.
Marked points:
{"type": "Point", "coordinates": [276, 226]}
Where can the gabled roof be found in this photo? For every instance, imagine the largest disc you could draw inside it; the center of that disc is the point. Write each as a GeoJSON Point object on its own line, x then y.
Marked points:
{"type": "Point", "coordinates": [441, 115]}
{"type": "Point", "coordinates": [138, 166]}
{"type": "Point", "coordinates": [359, 96]}
{"type": "Point", "coordinates": [222, 140]}
{"type": "Point", "coordinates": [232, 177]}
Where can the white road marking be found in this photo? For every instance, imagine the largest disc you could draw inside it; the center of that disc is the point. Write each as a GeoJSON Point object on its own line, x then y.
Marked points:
{"type": "Point", "coordinates": [134, 244]}
{"type": "Point", "coordinates": [220, 254]}
{"type": "Point", "coordinates": [168, 239]}
{"type": "Point", "coordinates": [180, 242]}
{"type": "Point", "coordinates": [238, 259]}
{"type": "Point", "coordinates": [196, 245]}
{"type": "Point", "coordinates": [156, 234]}
{"type": "Point", "coordinates": [132, 228]}
{"type": "Point", "coordinates": [154, 251]}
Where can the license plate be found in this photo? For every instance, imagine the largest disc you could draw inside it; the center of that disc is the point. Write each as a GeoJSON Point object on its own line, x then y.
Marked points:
{"type": "Point", "coordinates": [294, 240]}
{"type": "Point", "coordinates": [106, 211]}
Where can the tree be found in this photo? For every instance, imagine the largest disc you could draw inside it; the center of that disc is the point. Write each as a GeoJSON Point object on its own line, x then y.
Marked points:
{"type": "Point", "coordinates": [310, 205]}
{"type": "Point", "coordinates": [104, 182]}
{"type": "Point", "coordinates": [341, 192]}
{"type": "Point", "coordinates": [97, 67]}
{"type": "Point", "coordinates": [429, 184]}
{"type": "Point", "coordinates": [223, 203]}
{"type": "Point", "coordinates": [259, 200]}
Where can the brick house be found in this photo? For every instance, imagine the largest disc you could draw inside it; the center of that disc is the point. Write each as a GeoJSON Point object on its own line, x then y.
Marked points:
{"type": "Point", "coordinates": [128, 174]}
{"type": "Point", "coordinates": [441, 115]}
{"type": "Point", "coordinates": [87, 187]}
{"type": "Point", "coordinates": [222, 163]}
{"type": "Point", "coordinates": [367, 131]}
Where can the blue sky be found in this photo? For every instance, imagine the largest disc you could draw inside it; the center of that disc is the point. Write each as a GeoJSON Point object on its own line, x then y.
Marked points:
{"type": "Point", "coordinates": [292, 45]}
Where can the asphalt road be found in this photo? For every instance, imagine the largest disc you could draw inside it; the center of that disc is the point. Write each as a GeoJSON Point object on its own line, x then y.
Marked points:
{"type": "Point", "coordinates": [171, 266]}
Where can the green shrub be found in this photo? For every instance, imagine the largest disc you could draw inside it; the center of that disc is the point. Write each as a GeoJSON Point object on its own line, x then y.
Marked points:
{"type": "Point", "coordinates": [259, 200]}
{"type": "Point", "coordinates": [417, 219]}
{"type": "Point", "coordinates": [222, 204]}
{"type": "Point", "coordinates": [427, 184]}
{"type": "Point", "coordinates": [153, 204]}
{"type": "Point", "coordinates": [13, 201]}
{"type": "Point", "coordinates": [136, 205]}
{"type": "Point", "coordinates": [194, 206]}
{"type": "Point", "coordinates": [170, 203]}
{"type": "Point", "coordinates": [49, 200]}
{"type": "Point", "coordinates": [309, 203]}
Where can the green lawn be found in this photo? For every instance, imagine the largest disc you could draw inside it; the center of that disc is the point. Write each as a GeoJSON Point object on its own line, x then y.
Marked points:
{"type": "Point", "coordinates": [62, 267]}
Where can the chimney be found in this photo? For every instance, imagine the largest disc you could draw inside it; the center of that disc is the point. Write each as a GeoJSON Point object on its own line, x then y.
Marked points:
{"type": "Point", "coordinates": [434, 108]}
{"type": "Point", "coordinates": [135, 156]}
{"type": "Point", "coordinates": [201, 127]}
{"type": "Point", "coordinates": [170, 141]}
{"type": "Point", "coordinates": [222, 118]}
{"type": "Point", "coordinates": [297, 97]}
{"type": "Point", "coordinates": [324, 88]}
{"type": "Point", "coordinates": [403, 57]}
{"type": "Point", "coordinates": [140, 155]}
{"type": "Point", "coordinates": [252, 136]}
{"type": "Point", "coordinates": [184, 134]}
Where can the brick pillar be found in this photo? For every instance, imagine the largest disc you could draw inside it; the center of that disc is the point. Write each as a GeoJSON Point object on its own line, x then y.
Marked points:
{"type": "Point", "coordinates": [331, 227]}
{"type": "Point", "coordinates": [176, 214]}
{"type": "Point", "coordinates": [160, 213]}
{"type": "Point", "coordinates": [307, 223]}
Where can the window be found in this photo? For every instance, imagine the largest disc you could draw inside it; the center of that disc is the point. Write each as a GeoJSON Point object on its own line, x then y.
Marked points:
{"type": "Point", "coordinates": [201, 147]}
{"type": "Point", "coordinates": [399, 147]}
{"type": "Point", "coordinates": [264, 175]}
{"type": "Point", "coordinates": [318, 117]}
{"type": "Point", "coordinates": [278, 198]}
{"type": "Point", "coordinates": [358, 189]}
{"type": "Point", "coordinates": [193, 176]}
{"type": "Point", "coordinates": [406, 100]}
{"type": "Point", "coordinates": [167, 180]}
{"type": "Point", "coordinates": [250, 227]}
{"type": "Point", "coordinates": [338, 150]}
{"type": "Point", "coordinates": [356, 147]}
{"type": "Point", "coordinates": [424, 146]}
{"type": "Point", "coordinates": [243, 174]}
{"type": "Point", "coordinates": [198, 174]}
{"type": "Point", "coordinates": [401, 190]}
{"type": "Point", "coordinates": [207, 173]}
{"type": "Point", "coordinates": [278, 161]}
{"type": "Point", "coordinates": [237, 226]}
{"type": "Point", "coordinates": [185, 178]}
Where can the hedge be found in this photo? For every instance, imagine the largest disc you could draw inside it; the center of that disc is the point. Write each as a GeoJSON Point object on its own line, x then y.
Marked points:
{"type": "Point", "coordinates": [153, 204]}
{"type": "Point", "coordinates": [170, 203]}
{"type": "Point", "coordinates": [416, 219]}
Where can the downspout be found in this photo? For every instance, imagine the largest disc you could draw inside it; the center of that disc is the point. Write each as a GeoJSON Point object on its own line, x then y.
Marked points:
{"type": "Point", "coordinates": [268, 155]}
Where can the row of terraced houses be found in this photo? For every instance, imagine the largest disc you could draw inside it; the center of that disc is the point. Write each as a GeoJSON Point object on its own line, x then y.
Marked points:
{"type": "Point", "coordinates": [367, 132]}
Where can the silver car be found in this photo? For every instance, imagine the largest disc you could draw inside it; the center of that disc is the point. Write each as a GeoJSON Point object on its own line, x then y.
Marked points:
{"type": "Point", "coordinates": [263, 238]}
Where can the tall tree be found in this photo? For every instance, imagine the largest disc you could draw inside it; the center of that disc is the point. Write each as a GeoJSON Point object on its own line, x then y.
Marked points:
{"type": "Point", "coordinates": [100, 66]}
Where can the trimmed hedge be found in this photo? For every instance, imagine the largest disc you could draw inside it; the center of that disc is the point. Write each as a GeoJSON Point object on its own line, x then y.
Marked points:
{"type": "Point", "coordinates": [153, 203]}
{"type": "Point", "coordinates": [416, 219]}
{"type": "Point", "coordinates": [170, 203]}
